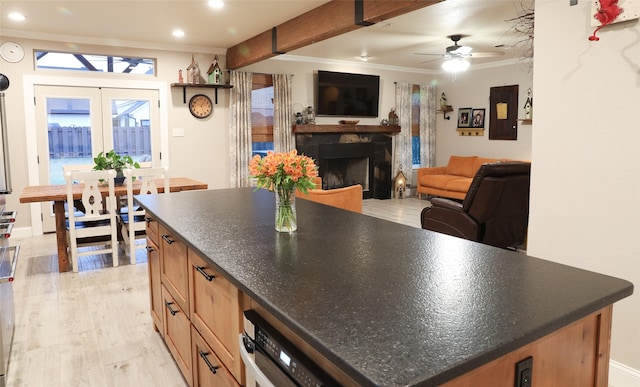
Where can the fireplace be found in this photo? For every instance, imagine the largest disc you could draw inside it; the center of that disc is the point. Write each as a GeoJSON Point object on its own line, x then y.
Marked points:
{"type": "Point", "coordinates": [342, 165]}
{"type": "Point", "coordinates": [348, 156]}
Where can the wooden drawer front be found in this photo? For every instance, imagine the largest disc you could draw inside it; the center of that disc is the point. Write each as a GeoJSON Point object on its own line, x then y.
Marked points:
{"type": "Point", "coordinates": [215, 312]}
{"type": "Point", "coordinates": [155, 285]}
{"type": "Point", "coordinates": [174, 268]}
{"type": "Point", "coordinates": [177, 334]}
{"type": "Point", "coordinates": [208, 370]}
{"type": "Point", "coordinates": [152, 229]}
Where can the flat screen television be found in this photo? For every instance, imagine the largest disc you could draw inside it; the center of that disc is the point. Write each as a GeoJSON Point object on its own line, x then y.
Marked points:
{"type": "Point", "coordinates": [346, 94]}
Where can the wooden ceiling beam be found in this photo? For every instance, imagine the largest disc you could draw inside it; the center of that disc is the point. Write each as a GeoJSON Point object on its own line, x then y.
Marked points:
{"type": "Point", "coordinates": [326, 21]}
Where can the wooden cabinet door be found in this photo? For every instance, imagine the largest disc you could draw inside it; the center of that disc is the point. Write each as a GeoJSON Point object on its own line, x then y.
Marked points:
{"type": "Point", "coordinates": [155, 285]}
{"type": "Point", "coordinates": [215, 312]}
{"type": "Point", "coordinates": [208, 370]}
{"type": "Point", "coordinates": [177, 334]}
{"type": "Point", "coordinates": [152, 229]}
{"type": "Point", "coordinates": [174, 267]}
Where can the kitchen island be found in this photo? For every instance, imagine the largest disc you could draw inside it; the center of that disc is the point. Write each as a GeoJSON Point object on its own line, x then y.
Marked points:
{"type": "Point", "coordinates": [385, 304]}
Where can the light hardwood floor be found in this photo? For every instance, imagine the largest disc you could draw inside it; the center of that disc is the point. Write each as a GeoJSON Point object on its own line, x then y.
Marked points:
{"type": "Point", "coordinates": [93, 328]}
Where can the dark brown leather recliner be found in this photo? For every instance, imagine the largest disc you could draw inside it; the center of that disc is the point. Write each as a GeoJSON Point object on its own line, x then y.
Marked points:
{"type": "Point", "coordinates": [495, 210]}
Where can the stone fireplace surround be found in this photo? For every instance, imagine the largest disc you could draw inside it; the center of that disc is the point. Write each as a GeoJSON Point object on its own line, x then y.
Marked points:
{"type": "Point", "coordinates": [324, 142]}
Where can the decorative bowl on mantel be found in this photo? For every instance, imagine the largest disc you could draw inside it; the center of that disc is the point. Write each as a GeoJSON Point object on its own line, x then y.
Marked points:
{"type": "Point", "coordinates": [348, 122]}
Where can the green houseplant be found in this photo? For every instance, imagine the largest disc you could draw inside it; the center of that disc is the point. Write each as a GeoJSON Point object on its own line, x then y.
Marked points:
{"type": "Point", "coordinates": [114, 161]}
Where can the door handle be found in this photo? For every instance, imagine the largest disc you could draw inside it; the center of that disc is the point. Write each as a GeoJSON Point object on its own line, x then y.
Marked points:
{"type": "Point", "coordinates": [212, 368]}
{"type": "Point", "coordinates": [200, 269]}
{"type": "Point", "coordinates": [172, 311]}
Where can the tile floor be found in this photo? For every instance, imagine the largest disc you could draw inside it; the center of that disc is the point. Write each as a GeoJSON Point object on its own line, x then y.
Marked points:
{"type": "Point", "coordinates": [93, 328]}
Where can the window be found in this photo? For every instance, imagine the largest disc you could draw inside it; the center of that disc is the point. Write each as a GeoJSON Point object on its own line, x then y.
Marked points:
{"type": "Point", "coordinates": [415, 125]}
{"type": "Point", "coordinates": [90, 62]}
{"type": "Point", "coordinates": [262, 114]}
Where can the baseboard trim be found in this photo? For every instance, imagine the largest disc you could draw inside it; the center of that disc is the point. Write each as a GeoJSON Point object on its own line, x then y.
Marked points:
{"type": "Point", "coordinates": [621, 375]}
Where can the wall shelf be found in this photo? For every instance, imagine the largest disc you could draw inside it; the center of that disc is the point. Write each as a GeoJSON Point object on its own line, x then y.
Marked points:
{"type": "Point", "coordinates": [345, 128]}
{"type": "Point", "coordinates": [184, 87]}
{"type": "Point", "coordinates": [445, 110]}
{"type": "Point", "coordinates": [471, 131]}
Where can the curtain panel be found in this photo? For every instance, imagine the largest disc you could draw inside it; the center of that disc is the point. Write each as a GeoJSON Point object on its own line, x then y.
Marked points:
{"type": "Point", "coordinates": [240, 128]}
{"type": "Point", "coordinates": [428, 95]}
{"type": "Point", "coordinates": [283, 138]}
{"type": "Point", "coordinates": [402, 141]}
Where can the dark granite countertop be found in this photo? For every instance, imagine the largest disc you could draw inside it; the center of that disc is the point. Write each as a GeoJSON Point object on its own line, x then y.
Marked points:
{"type": "Point", "coordinates": [390, 305]}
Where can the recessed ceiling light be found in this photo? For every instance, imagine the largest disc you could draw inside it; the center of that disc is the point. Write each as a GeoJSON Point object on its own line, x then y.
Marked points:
{"type": "Point", "coordinates": [364, 58]}
{"type": "Point", "coordinates": [16, 16]}
{"type": "Point", "coordinates": [216, 4]}
{"type": "Point", "coordinates": [178, 33]}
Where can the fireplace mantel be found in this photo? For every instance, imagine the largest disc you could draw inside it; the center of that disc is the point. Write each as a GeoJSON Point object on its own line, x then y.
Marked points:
{"type": "Point", "coordinates": [345, 128]}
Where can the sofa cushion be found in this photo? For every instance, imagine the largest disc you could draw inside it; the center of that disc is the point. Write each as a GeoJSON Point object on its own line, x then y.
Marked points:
{"type": "Point", "coordinates": [461, 165]}
{"type": "Point", "coordinates": [459, 185]}
{"type": "Point", "coordinates": [477, 163]}
{"type": "Point", "coordinates": [437, 181]}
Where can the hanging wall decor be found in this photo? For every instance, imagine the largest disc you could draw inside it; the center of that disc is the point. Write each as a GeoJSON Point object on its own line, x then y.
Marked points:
{"type": "Point", "coordinates": [607, 12]}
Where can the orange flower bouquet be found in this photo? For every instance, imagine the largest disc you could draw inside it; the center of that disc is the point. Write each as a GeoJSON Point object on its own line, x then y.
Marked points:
{"type": "Point", "coordinates": [283, 173]}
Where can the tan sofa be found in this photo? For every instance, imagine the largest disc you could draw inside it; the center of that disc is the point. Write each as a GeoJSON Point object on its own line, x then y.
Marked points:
{"type": "Point", "coordinates": [452, 180]}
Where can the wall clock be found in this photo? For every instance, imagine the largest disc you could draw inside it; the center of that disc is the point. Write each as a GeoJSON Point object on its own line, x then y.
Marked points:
{"type": "Point", "coordinates": [200, 106]}
{"type": "Point", "coordinates": [11, 52]}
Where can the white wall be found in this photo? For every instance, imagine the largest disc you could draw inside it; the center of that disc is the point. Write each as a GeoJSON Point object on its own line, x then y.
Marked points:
{"type": "Point", "coordinates": [585, 184]}
{"type": "Point", "coordinates": [471, 90]}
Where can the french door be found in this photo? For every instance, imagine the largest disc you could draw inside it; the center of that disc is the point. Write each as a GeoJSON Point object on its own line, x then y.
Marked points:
{"type": "Point", "coordinates": [74, 124]}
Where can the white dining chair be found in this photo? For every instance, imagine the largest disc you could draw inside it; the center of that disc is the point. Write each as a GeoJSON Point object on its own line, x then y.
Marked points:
{"type": "Point", "coordinates": [133, 218]}
{"type": "Point", "coordinates": [98, 225]}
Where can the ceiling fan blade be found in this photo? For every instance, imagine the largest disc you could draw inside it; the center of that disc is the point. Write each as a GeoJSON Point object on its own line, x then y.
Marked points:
{"type": "Point", "coordinates": [486, 54]}
{"type": "Point", "coordinates": [431, 60]}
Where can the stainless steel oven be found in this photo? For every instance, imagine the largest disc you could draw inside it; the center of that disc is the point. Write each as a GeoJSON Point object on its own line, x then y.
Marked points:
{"type": "Point", "coordinates": [273, 361]}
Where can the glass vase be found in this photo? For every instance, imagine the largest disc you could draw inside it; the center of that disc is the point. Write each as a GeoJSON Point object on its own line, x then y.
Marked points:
{"type": "Point", "coordinates": [286, 220]}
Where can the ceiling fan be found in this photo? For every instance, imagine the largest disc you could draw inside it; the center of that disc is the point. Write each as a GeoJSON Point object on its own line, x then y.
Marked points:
{"type": "Point", "coordinates": [457, 55]}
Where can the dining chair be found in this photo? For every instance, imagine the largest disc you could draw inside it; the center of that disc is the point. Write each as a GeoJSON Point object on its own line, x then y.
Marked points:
{"type": "Point", "coordinates": [66, 168]}
{"type": "Point", "coordinates": [133, 218]}
{"type": "Point", "coordinates": [98, 225]}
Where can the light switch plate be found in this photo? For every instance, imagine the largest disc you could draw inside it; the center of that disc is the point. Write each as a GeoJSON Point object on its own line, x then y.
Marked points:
{"type": "Point", "coordinates": [178, 132]}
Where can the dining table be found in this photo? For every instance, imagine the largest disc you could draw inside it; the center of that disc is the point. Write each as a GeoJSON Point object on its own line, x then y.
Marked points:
{"type": "Point", "coordinates": [57, 193]}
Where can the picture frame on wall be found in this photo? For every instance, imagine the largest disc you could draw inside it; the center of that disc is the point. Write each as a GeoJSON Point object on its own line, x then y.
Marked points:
{"type": "Point", "coordinates": [477, 118]}
{"type": "Point", "coordinates": [464, 117]}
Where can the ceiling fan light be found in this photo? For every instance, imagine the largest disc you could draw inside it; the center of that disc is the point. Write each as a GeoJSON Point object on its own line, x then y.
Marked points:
{"type": "Point", "coordinates": [455, 65]}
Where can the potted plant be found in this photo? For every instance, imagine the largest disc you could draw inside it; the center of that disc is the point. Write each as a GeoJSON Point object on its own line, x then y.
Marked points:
{"type": "Point", "coordinates": [114, 161]}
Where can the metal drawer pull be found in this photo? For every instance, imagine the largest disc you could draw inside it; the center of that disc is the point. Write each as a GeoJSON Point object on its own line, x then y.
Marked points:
{"type": "Point", "coordinates": [204, 355]}
{"type": "Point", "coordinates": [204, 274]}
{"type": "Point", "coordinates": [168, 239]}
{"type": "Point", "coordinates": [168, 304]}
{"type": "Point", "coordinates": [148, 219]}
{"type": "Point", "coordinates": [150, 249]}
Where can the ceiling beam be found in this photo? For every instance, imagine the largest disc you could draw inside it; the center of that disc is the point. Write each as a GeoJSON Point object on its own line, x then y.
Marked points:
{"type": "Point", "coordinates": [326, 21]}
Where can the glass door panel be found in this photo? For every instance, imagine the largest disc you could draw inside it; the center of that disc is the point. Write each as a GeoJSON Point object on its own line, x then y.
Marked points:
{"type": "Point", "coordinates": [131, 116]}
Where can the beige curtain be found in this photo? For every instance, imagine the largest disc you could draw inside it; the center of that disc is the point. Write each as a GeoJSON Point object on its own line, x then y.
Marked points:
{"type": "Point", "coordinates": [240, 128]}
{"type": "Point", "coordinates": [283, 138]}
{"type": "Point", "coordinates": [402, 141]}
{"type": "Point", "coordinates": [428, 97]}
